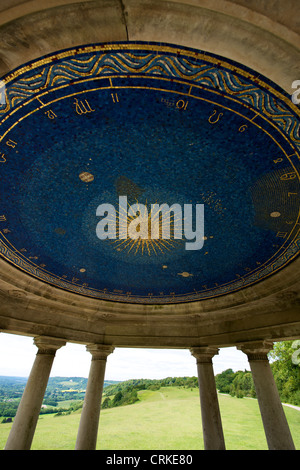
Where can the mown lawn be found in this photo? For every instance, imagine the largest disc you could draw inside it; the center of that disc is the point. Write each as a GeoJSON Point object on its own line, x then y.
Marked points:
{"type": "Point", "coordinates": [162, 420]}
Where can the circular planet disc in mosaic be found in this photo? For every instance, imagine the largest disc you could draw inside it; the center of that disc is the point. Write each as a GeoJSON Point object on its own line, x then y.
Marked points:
{"type": "Point", "coordinates": [160, 125]}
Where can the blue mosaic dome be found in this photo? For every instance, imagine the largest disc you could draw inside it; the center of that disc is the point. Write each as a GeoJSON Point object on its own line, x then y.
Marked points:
{"type": "Point", "coordinates": [158, 124]}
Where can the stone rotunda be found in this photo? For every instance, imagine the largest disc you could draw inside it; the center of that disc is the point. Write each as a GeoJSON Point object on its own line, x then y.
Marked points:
{"type": "Point", "coordinates": [150, 189]}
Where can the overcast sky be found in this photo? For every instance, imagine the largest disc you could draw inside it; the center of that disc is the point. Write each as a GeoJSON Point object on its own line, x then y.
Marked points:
{"type": "Point", "coordinates": [17, 354]}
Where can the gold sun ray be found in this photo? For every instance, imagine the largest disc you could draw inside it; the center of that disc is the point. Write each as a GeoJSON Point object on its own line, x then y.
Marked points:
{"type": "Point", "coordinates": [146, 246]}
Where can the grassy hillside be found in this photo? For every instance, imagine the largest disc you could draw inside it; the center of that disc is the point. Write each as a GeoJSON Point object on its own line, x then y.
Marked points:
{"type": "Point", "coordinates": [168, 418]}
{"type": "Point", "coordinates": [61, 392]}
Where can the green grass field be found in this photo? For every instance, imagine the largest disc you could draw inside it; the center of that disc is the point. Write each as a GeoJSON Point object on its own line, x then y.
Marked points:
{"type": "Point", "coordinates": [167, 419]}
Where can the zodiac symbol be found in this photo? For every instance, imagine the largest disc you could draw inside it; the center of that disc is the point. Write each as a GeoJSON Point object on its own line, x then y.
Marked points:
{"type": "Point", "coordinates": [81, 108]}
{"type": "Point", "coordinates": [217, 119]}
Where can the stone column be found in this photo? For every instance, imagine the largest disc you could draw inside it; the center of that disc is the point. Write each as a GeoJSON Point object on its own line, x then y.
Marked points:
{"type": "Point", "coordinates": [210, 412]}
{"type": "Point", "coordinates": [274, 420]}
{"type": "Point", "coordinates": [24, 424]}
{"type": "Point", "coordinates": [89, 421]}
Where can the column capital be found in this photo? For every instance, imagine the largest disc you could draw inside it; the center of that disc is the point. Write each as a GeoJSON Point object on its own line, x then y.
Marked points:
{"type": "Point", "coordinates": [48, 344]}
{"type": "Point", "coordinates": [204, 353]}
{"type": "Point", "coordinates": [99, 351]}
{"type": "Point", "coordinates": [256, 350]}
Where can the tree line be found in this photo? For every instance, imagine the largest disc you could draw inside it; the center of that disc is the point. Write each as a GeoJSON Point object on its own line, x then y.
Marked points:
{"type": "Point", "coordinates": [286, 375]}
{"type": "Point", "coordinates": [126, 393]}
{"type": "Point", "coordinates": [115, 394]}
{"type": "Point", "coordinates": [240, 384]}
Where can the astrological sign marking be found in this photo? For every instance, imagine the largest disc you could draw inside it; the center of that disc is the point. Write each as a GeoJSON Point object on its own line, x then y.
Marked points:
{"type": "Point", "coordinates": [2, 218]}
{"type": "Point", "coordinates": [115, 97]}
{"type": "Point", "coordinates": [281, 234]}
{"type": "Point", "coordinates": [11, 143]}
{"type": "Point", "coordinates": [288, 176]}
{"type": "Point", "coordinates": [243, 128]}
{"type": "Point", "coordinates": [289, 222]}
{"type": "Point", "coordinates": [6, 230]}
{"type": "Point", "coordinates": [292, 194]}
{"type": "Point", "coordinates": [181, 104]}
{"type": "Point", "coordinates": [82, 107]}
{"type": "Point", "coordinates": [214, 121]}
{"type": "Point", "coordinates": [50, 114]}
{"type": "Point", "coordinates": [278, 160]}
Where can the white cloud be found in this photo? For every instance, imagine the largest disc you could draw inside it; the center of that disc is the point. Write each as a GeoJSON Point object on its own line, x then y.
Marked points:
{"type": "Point", "coordinates": [17, 354]}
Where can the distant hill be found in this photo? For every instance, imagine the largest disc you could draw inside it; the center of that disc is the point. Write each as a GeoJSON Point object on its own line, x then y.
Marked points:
{"type": "Point", "coordinates": [11, 383]}
{"type": "Point", "coordinates": [126, 393]}
{"type": "Point", "coordinates": [165, 419]}
{"type": "Point", "coordinates": [60, 392]}
{"type": "Point", "coordinates": [66, 394]}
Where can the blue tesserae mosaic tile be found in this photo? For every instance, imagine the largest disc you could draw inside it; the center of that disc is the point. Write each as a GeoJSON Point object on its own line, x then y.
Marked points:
{"type": "Point", "coordinates": [158, 124]}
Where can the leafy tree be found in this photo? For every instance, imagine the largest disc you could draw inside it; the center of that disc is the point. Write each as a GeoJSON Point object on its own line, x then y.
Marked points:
{"type": "Point", "coordinates": [224, 380]}
{"type": "Point", "coordinates": [242, 384]}
{"type": "Point", "coordinates": [107, 403]}
{"type": "Point", "coordinates": [117, 399]}
{"type": "Point", "coordinates": [286, 373]}
{"type": "Point", "coordinates": [153, 387]}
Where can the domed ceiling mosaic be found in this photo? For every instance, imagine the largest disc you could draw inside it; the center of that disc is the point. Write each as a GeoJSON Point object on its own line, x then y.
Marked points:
{"type": "Point", "coordinates": [97, 140]}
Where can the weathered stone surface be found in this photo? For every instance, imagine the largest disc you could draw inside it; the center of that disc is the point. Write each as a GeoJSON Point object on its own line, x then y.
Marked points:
{"type": "Point", "coordinates": [266, 39]}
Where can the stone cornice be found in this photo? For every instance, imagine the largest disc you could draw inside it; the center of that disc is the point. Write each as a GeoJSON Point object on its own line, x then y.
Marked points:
{"type": "Point", "coordinates": [204, 354]}
{"type": "Point", "coordinates": [99, 351]}
{"type": "Point", "coordinates": [256, 350]}
{"type": "Point", "coordinates": [48, 345]}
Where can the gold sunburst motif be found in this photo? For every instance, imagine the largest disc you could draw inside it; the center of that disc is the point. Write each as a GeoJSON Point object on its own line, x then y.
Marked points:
{"type": "Point", "coordinates": [145, 243]}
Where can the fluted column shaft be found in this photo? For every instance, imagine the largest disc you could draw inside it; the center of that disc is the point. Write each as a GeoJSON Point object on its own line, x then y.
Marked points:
{"type": "Point", "coordinates": [210, 412]}
{"type": "Point", "coordinates": [89, 421]}
{"type": "Point", "coordinates": [24, 424]}
{"type": "Point", "coordinates": [276, 427]}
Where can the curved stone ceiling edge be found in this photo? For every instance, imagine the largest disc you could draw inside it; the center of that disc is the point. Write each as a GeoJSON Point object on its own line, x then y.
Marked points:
{"type": "Point", "coordinates": [140, 56]}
